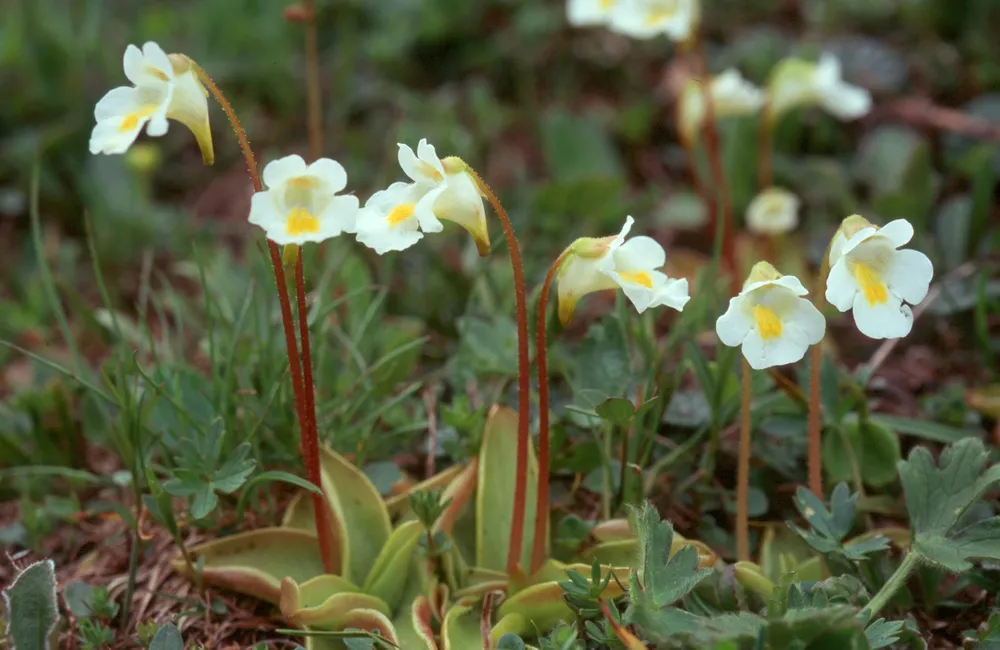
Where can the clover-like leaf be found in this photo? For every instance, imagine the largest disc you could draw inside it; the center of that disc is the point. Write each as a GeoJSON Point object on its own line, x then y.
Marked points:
{"type": "Point", "coordinates": [830, 527]}
{"type": "Point", "coordinates": [882, 633]}
{"type": "Point", "coordinates": [938, 496]}
{"type": "Point", "coordinates": [664, 579]}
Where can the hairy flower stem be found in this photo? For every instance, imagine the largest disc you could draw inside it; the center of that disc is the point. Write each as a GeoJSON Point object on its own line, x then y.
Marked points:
{"type": "Point", "coordinates": [541, 358]}
{"type": "Point", "coordinates": [314, 100]}
{"type": "Point", "coordinates": [310, 446]}
{"type": "Point", "coordinates": [724, 206]}
{"type": "Point", "coordinates": [815, 363]}
{"type": "Point", "coordinates": [891, 586]}
{"type": "Point", "coordinates": [743, 472]}
{"type": "Point", "coordinates": [523, 378]}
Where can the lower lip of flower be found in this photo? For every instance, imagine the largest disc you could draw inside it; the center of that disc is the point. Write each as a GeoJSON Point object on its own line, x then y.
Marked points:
{"type": "Point", "coordinates": [301, 222]}
{"type": "Point", "coordinates": [638, 277]}
{"type": "Point", "coordinates": [132, 120]}
{"type": "Point", "coordinates": [768, 323]}
{"type": "Point", "coordinates": [871, 284]}
{"type": "Point", "coordinates": [399, 214]}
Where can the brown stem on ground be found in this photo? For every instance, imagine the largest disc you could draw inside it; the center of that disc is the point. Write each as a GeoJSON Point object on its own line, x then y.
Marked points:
{"type": "Point", "coordinates": [523, 379]}
{"type": "Point", "coordinates": [743, 472]}
{"type": "Point", "coordinates": [307, 433]}
{"type": "Point", "coordinates": [541, 357]}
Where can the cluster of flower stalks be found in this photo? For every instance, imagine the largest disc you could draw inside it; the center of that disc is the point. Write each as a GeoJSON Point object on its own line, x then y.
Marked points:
{"type": "Point", "coordinates": [337, 561]}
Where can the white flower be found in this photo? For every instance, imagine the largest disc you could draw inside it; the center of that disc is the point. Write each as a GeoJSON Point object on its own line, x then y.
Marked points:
{"type": "Point", "coordinates": [164, 87]}
{"type": "Point", "coordinates": [796, 82]}
{"type": "Point", "coordinates": [678, 19]}
{"type": "Point", "coordinates": [440, 189]}
{"type": "Point", "coordinates": [870, 274]}
{"type": "Point", "coordinates": [393, 218]}
{"type": "Point", "coordinates": [732, 96]}
{"type": "Point", "coordinates": [593, 264]}
{"type": "Point", "coordinates": [585, 13]}
{"type": "Point", "coordinates": [301, 203]}
{"type": "Point", "coordinates": [773, 212]}
{"type": "Point", "coordinates": [770, 319]}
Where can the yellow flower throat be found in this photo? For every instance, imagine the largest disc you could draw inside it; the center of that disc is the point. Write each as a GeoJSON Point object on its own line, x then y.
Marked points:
{"type": "Point", "coordinates": [638, 277]}
{"type": "Point", "coordinates": [871, 284]}
{"type": "Point", "coordinates": [399, 214]}
{"type": "Point", "coordinates": [768, 323]}
{"type": "Point", "coordinates": [301, 222]}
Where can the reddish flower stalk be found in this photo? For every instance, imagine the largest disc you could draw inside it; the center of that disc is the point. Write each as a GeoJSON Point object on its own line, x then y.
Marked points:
{"type": "Point", "coordinates": [310, 447]}
{"type": "Point", "coordinates": [815, 428]}
{"type": "Point", "coordinates": [541, 357]}
{"type": "Point", "coordinates": [711, 136]}
{"type": "Point", "coordinates": [314, 99]}
{"type": "Point", "coordinates": [523, 380]}
{"type": "Point", "coordinates": [743, 472]}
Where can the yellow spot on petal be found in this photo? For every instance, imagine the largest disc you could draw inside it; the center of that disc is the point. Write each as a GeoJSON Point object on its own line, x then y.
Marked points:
{"type": "Point", "coordinates": [661, 13]}
{"type": "Point", "coordinates": [768, 323]}
{"type": "Point", "coordinates": [871, 284]}
{"type": "Point", "coordinates": [131, 121]}
{"type": "Point", "coordinates": [156, 72]}
{"type": "Point", "coordinates": [607, 4]}
{"type": "Point", "coordinates": [302, 182]}
{"type": "Point", "coordinates": [301, 222]}
{"type": "Point", "coordinates": [428, 170]}
{"type": "Point", "coordinates": [638, 277]}
{"type": "Point", "coordinates": [399, 214]}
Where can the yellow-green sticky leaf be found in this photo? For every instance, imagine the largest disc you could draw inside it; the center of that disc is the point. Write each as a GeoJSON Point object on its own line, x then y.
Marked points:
{"type": "Point", "coordinates": [460, 628]}
{"type": "Point", "coordinates": [388, 576]}
{"type": "Point", "coordinates": [255, 562]}
{"type": "Point", "coordinates": [478, 581]}
{"type": "Point", "coordinates": [495, 492]}
{"type": "Point", "coordinates": [358, 506]}
{"type": "Point", "coordinates": [612, 530]}
{"type": "Point", "coordinates": [625, 552]}
{"type": "Point", "coordinates": [459, 492]}
{"type": "Point", "coordinates": [301, 515]}
{"type": "Point", "coordinates": [313, 592]}
{"type": "Point", "coordinates": [414, 628]}
{"type": "Point", "coordinates": [361, 619]}
{"type": "Point", "coordinates": [329, 613]}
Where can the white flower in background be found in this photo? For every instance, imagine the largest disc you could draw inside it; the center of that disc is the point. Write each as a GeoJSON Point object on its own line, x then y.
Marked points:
{"type": "Point", "coordinates": [598, 264]}
{"type": "Point", "coordinates": [394, 218]}
{"type": "Point", "coordinates": [871, 275]}
{"type": "Point", "coordinates": [164, 87]}
{"type": "Point", "coordinates": [678, 19]}
{"type": "Point", "coordinates": [732, 96]}
{"type": "Point", "coordinates": [770, 319]}
{"type": "Point", "coordinates": [586, 13]}
{"type": "Point", "coordinates": [796, 82]}
{"type": "Point", "coordinates": [301, 203]}
{"type": "Point", "coordinates": [774, 211]}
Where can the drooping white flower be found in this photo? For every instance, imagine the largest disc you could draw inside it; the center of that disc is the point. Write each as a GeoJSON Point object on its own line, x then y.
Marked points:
{"type": "Point", "coordinates": [732, 96]}
{"type": "Point", "coordinates": [586, 13]}
{"type": "Point", "coordinates": [677, 19]}
{"type": "Point", "coordinates": [164, 87]}
{"type": "Point", "coordinates": [598, 264]}
{"type": "Point", "coordinates": [301, 203]}
{"type": "Point", "coordinates": [796, 82]}
{"type": "Point", "coordinates": [871, 275]}
{"type": "Point", "coordinates": [773, 212]}
{"type": "Point", "coordinates": [394, 218]}
{"type": "Point", "coordinates": [770, 319]}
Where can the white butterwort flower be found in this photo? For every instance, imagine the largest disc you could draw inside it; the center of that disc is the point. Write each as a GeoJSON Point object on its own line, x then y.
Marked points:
{"type": "Point", "coordinates": [732, 96]}
{"type": "Point", "coordinates": [301, 203]}
{"type": "Point", "coordinates": [774, 211]}
{"type": "Point", "coordinates": [770, 319]}
{"type": "Point", "coordinates": [796, 82]}
{"type": "Point", "coordinates": [871, 275]}
{"type": "Point", "coordinates": [395, 218]}
{"type": "Point", "coordinates": [585, 13]}
{"type": "Point", "coordinates": [678, 19]}
{"type": "Point", "coordinates": [164, 87]}
{"type": "Point", "coordinates": [597, 264]}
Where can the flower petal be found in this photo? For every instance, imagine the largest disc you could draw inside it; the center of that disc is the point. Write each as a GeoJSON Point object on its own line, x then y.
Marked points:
{"type": "Point", "coordinates": [782, 350]}
{"type": "Point", "coordinates": [584, 13]}
{"type": "Point", "coordinates": [108, 138]}
{"type": "Point", "coordinates": [117, 102]}
{"type": "Point", "coordinates": [157, 125]}
{"type": "Point", "coordinates": [888, 320]}
{"type": "Point", "coordinates": [898, 231]}
{"type": "Point", "coordinates": [841, 287]}
{"type": "Point", "coordinates": [909, 275]}
{"type": "Point", "coordinates": [427, 154]}
{"type": "Point", "coordinates": [808, 321]}
{"type": "Point", "coordinates": [156, 58]}
{"type": "Point", "coordinates": [640, 253]}
{"type": "Point", "coordinates": [791, 283]}
{"type": "Point", "coordinates": [264, 213]}
{"type": "Point", "coordinates": [734, 325]}
{"type": "Point", "coordinates": [189, 106]}
{"type": "Point", "coordinates": [280, 170]}
{"type": "Point", "coordinates": [671, 293]}
{"type": "Point", "coordinates": [329, 171]}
